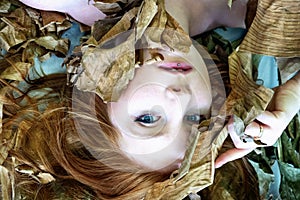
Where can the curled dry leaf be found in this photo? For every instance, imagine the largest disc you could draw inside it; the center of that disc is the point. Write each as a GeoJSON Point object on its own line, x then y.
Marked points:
{"type": "Point", "coordinates": [275, 20]}
{"type": "Point", "coordinates": [247, 99]}
{"type": "Point", "coordinates": [123, 25]}
{"type": "Point", "coordinates": [15, 72]}
{"type": "Point", "coordinates": [49, 42]}
{"type": "Point", "coordinates": [229, 3]}
{"type": "Point", "coordinates": [108, 8]}
{"type": "Point", "coordinates": [108, 71]}
{"type": "Point", "coordinates": [19, 28]}
{"type": "Point", "coordinates": [49, 17]}
{"type": "Point", "coordinates": [175, 37]}
{"type": "Point", "coordinates": [45, 178]}
{"type": "Point", "coordinates": [288, 67]}
{"type": "Point", "coordinates": [9, 37]}
{"type": "Point", "coordinates": [147, 12]}
{"type": "Point", "coordinates": [113, 1]}
{"type": "Point", "coordinates": [197, 170]}
{"type": "Point", "coordinates": [109, 76]}
{"type": "Point", "coordinates": [5, 183]}
{"type": "Point", "coordinates": [4, 6]}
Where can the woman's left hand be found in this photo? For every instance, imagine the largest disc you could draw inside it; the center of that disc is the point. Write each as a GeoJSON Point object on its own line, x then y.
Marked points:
{"type": "Point", "coordinates": [269, 125]}
{"type": "Point", "coordinates": [82, 10]}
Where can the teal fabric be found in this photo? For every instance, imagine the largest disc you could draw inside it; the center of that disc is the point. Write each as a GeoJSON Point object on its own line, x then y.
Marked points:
{"type": "Point", "coordinates": [268, 72]}
{"type": "Point", "coordinates": [55, 64]}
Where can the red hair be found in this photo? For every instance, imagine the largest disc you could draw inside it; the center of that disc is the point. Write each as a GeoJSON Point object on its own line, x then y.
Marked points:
{"type": "Point", "coordinates": [49, 141]}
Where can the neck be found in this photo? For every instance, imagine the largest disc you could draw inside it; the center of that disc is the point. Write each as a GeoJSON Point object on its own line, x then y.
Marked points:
{"type": "Point", "coordinates": [198, 16]}
{"type": "Point", "coordinates": [179, 12]}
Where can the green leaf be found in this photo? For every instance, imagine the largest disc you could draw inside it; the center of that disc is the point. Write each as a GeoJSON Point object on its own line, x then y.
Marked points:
{"type": "Point", "coordinates": [290, 182]}
{"type": "Point", "coordinates": [264, 179]}
{"type": "Point", "coordinates": [290, 155]}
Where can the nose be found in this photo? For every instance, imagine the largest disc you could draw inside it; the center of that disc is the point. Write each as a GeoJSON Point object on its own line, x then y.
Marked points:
{"type": "Point", "coordinates": [179, 89]}
{"type": "Point", "coordinates": [179, 93]}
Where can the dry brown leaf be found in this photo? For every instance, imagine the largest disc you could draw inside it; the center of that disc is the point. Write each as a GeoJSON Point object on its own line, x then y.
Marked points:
{"type": "Point", "coordinates": [4, 6]}
{"type": "Point", "coordinates": [16, 72]}
{"type": "Point", "coordinates": [49, 42]}
{"type": "Point", "coordinates": [30, 50]}
{"type": "Point", "coordinates": [34, 15]}
{"type": "Point", "coordinates": [159, 22]}
{"type": "Point", "coordinates": [229, 3]}
{"type": "Point", "coordinates": [123, 25]}
{"type": "Point", "coordinates": [165, 29]}
{"type": "Point", "coordinates": [9, 37]}
{"type": "Point", "coordinates": [5, 183]}
{"type": "Point", "coordinates": [108, 8]}
{"type": "Point", "coordinates": [49, 17]}
{"type": "Point", "coordinates": [198, 172]}
{"type": "Point", "coordinates": [275, 29]}
{"type": "Point", "coordinates": [111, 75]}
{"type": "Point", "coordinates": [288, 67]}
{"type": "Point", "coordinates": [147, 12]}
{"type": "Point", "coordinates": [101, 27]}
{"type": "Point", "coordinates": [247, 99]}
{"type": "Point", "coordinates": [2, 92]}
{"type": "Point", "coordinates": [117, 66]}
{"type": "Point", "coordinates": [45, 178]}
{"type": "Point", "coordinates": [115, 1]}
{"type": "Point", "coordinates": [1, 116]}
{"type": "Point", "coordinates": [58, 25]}
{"type": "Point", "coordinates": [19, 28]}
{"type": "Point", "coordinates": [175, 37]}
{"type": "Point", "coordinates": [7, 143]}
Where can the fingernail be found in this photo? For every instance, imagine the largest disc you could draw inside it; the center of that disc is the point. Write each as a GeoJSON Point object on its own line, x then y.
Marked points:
{"type": "Point", "coordinates": [218, 165]}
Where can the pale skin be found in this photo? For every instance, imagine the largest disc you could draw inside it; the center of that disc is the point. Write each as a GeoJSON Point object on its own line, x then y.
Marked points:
{"type": "Point", "coordinates": [155, 113]}
{"type": "Point", "coordinates": [283, 107]}
{"type": "Point", "coordinates": [198, 16]}
{"type": "Point", "coordinates": [81, 10]}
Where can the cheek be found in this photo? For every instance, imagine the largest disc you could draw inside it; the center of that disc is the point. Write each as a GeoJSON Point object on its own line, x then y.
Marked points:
{"type": "Point", "coordinates": [152, 97]}
{"type": "Point", "coordinates": [202, 91]}
{"type": "Point", "coordinates": [156, 153]}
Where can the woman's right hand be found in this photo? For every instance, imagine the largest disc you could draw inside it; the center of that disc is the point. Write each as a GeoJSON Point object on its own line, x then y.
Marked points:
{"type": "Point", "coordinates": [269, 125]}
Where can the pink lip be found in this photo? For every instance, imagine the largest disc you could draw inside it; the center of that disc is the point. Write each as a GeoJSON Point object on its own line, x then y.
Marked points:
{"type": "Point", "coordinates": [178, 66]}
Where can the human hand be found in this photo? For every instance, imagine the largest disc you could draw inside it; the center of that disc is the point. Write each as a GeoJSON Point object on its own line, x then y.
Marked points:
{"type": "Point", "coordinates": [83, 10]}
{"type": "Point", "coordinates": [269, 125]}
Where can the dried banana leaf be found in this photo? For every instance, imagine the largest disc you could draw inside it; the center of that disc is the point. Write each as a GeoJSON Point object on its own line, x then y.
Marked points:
{"type": "Point", "coordinates": [109, 67]}
{"type": "Point", "coordinates": [4, 6]}
{"type": "Point", "coordinates": [275, 29]}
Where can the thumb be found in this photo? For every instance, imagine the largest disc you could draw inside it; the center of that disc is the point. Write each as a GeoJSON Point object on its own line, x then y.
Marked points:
{"type": "Point", "coordinates": [231, 155]}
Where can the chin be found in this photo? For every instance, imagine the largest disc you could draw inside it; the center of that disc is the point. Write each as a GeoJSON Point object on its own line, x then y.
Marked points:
{"type": "Point", "coordinates": [171, 167]}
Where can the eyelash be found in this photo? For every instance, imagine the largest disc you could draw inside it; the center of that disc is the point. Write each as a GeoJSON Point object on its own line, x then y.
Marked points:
{"type": "Point", "coordinates": [195, 118]}
{"type": "Point", "coordinates": [149, 119]}
{"type": "Point", "coordinates": [145, 119]}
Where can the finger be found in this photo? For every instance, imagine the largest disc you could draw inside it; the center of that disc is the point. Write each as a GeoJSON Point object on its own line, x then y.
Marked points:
{"type": "Point", "coordinates": [266, 128]}
{"type": "Point", "coordinates": [276, 119]}
{"type": "Point", "coordinates": [231, 155]}
{"type": "Point", "coordinates": [256, 129]}
{"type": "Point", "coordinates": [269, 118]}
{"type": "Point", "coordinates": [235, 137]}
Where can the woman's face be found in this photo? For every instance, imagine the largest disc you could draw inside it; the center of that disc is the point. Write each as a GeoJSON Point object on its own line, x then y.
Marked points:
{"type": "Point", "coordinates": [154, 115]}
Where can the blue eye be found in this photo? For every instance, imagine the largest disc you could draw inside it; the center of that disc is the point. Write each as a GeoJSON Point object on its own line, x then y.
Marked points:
{"type": "Point", "coordinates": [147, 119]}
{"type": "Point", "coordinates": [194, 118]}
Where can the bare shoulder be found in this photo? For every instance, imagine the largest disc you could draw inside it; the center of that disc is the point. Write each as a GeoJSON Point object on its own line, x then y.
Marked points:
{"type": "Point", "coordinates": [208, 14]}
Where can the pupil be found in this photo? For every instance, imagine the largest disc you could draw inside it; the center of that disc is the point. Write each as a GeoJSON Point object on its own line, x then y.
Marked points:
{"type": "Point", "coordinates": [147, 119]}
{"type": "Point", "coordinates": [192, 118]}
